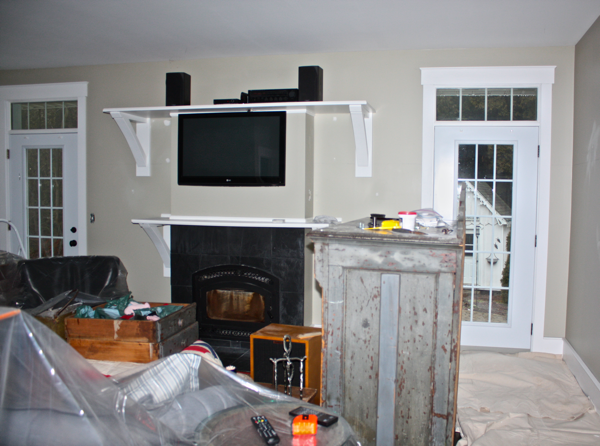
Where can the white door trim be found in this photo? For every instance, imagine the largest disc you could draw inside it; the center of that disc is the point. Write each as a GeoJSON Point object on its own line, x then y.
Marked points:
{"type": "Point", "coordinates": [543, 79]}
{"type": "Point", "coordinates": [45, 92]}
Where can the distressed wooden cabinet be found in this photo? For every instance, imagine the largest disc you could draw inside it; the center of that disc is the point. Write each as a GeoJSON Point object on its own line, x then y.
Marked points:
{"type": "Point", "coordinates": [391, 329]}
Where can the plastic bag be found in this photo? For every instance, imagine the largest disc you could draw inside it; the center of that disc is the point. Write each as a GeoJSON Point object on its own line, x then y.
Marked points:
{"type": "Point", "coordinates": [52, 396]}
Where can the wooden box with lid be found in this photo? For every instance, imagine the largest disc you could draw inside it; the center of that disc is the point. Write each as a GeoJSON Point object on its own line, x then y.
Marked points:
{"type": "Point", "coordinates": [133, 340]}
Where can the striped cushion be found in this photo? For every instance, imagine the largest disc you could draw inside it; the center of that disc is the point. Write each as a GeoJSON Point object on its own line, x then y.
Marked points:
{"type": "Point", "coordinates": [205, 350]}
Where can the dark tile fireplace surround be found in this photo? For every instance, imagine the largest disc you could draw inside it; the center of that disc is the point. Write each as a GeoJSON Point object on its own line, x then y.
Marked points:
{"type": "Point", "coordinates": [277, 251]}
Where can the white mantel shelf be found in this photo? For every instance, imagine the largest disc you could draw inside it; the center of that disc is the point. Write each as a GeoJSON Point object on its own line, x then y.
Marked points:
{"type": "Point", "coordinates": [161, 239]}
{"type": "Point", "coordinates": [138, 137]}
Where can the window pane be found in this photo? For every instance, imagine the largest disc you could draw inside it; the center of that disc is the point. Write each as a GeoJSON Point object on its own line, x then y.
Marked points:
{"type": "Point", "coordinates": [481, 305]}
{"type": "Point", "coordinates": [466, 304]}
{"type": "Point", "coordinates": [485, 190]}
{"type": "Point", "coordinates": [447, 104]}
{"type": "Point", "coordinates": [505, 275]}
{"type": "Point", "coordinates": [45, 163]}
{"type": "Point", "coordinates": [54, 111]}
{"type": "Point", "coordinates": [37, 115]}
{"type": "Point", "coordinates": [524, 104]}
{"type": "Point", "coordinates": [57, 163]}
{"type": "Point", "coordinates": [504, 198]}
{"type": "Point", "coordinates": [46, 222]}
{"type": "Point", "coordinates": [473, 104]}
{"type": "Point", "coordinates": [34, 225]}
{"type": "Point", "coordinates": [499, 307]}
{"type": "Point", "coordinates": [485, 161]}
{"type": "Point", "coordinates": [32, 163]}
{"type": "Point", "coordinates": [70, 114]}
{"type": "Point", "coordinates": [58, 247]}
{"type": "Point", "coordinates": [57, 193]}
{"type": "Point", "coordinates": [32, 193]}
{"type": "Point", "coordinates": [46, 247]}
{"type": "Point", "coordinates": [45, 193]}
{"type": "Point", "coordinates": [18, 116]}
{"type": "Point", "coordinates": [504, 162]}
{"type": "Point", "coordinates": [466, 161]}
{"type": "Point", "coordinates": [498, 104]}
{"type": "Point", "coordinates": [57, 222]}
{"type": "Point", "coordinates": [34, 248]}
{"type": "Point", "coordinates": [470, 201]}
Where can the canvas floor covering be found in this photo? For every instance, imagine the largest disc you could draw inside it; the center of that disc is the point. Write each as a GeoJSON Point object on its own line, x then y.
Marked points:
{"type": "Point", "coordinates": [522, 399]}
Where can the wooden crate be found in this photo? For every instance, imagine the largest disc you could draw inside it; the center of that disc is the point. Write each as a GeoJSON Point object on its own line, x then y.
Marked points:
{"type": "Point", "coordinates": [133, 341]}
{"type": "Point", "coordinates": [268, 343]}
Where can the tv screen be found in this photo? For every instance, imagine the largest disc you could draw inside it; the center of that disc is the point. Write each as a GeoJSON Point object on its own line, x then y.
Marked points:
{"type": "Point", "coordinates": [232, 149]}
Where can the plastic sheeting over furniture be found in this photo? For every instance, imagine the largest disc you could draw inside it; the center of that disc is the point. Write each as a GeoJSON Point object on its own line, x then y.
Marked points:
{"type": "Point", "coordinates": [28, 284]}
{"type": "Point", "coordinates": [50, 395]}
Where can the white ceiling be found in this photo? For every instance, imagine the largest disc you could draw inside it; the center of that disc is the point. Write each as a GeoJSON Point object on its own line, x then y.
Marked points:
{"type": "Point", "coordinates": [58, 33]}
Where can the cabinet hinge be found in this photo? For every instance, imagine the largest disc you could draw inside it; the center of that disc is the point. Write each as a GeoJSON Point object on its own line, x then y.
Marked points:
{"type": "Point", "coordinates": [535, 243]}
{"type": "Point", "coordinates": [538, 151]}
{"type": "Point", "coordinates": [531, 329]}
{"type": "Point", "coordinates": [7, 154]}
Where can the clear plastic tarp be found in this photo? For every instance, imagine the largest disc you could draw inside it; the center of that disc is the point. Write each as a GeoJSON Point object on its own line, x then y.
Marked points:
{"type": "Point", "coordinates": [50, 395]}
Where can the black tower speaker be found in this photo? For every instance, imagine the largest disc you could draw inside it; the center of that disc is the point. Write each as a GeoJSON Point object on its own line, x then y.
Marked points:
{"type": "Point", "coordinates": [178, 89]}
{"type": "Point", "coordinates": [310, 83]}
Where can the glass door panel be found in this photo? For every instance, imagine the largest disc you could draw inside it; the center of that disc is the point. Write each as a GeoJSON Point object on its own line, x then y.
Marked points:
{"type": "Point", "coordinates": [44, 202]}
{"type": "Point", "coordinates": [43, 185]}
{"type": "Point", "coordinates": [492, 163]}
{"type": "Point", "coordinates": [486, 171]}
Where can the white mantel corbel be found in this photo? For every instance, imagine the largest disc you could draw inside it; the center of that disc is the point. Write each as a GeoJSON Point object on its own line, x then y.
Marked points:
{"type": "Point", "coordinates": [362, 124]}
{"type": "Point", "coordinates": [138, 139]}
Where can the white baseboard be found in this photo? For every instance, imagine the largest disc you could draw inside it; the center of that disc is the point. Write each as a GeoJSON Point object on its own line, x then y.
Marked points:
{"type": "Point", "coordinates": [546, 345]}
{"type": "Point", "coordinates": [588, 382]}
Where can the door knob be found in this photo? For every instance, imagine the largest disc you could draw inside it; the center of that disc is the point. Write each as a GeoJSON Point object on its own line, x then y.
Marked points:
{"type": "Point", "coordinates": [73, 229]}
{"type": "Point", "coordinates": [73, 243]}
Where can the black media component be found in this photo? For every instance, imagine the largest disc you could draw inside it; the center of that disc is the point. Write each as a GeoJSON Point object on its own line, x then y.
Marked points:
{"type": "Point", "coordinates": [231, 149]}
{"type": "Point", "coordinates": [244, 97]}
{"type": "Point", "coordinates": [178, 89]}
{"type": "Point", "coordinates": [227, 101]}
{"type": "Point", "coordinates": [310, 83]}
{"type": "Point", "coordinates": [265, 430]}
{"type": "Point", "coordinates": [323, 419]}
{"type": "Point", "coordinates": [282, 95]}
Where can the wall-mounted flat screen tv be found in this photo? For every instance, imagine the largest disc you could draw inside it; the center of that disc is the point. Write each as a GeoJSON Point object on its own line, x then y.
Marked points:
{"type": "Point", "coordinates": [231, 149]}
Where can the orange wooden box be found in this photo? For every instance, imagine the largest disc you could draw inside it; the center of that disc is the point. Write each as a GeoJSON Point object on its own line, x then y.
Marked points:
{"type": "Point", "coordinates": [133, 341]}
{"type": "Point", "coordinates": [268, 343]}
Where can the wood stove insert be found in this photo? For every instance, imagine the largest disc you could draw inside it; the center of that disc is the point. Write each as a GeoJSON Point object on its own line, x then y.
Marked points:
{"type": "Point", "coordinates": [234, 301]}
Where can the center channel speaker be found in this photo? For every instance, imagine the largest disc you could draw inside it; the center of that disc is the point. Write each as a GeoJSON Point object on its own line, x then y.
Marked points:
{"type": "Point", "coordinates": [267, 343]}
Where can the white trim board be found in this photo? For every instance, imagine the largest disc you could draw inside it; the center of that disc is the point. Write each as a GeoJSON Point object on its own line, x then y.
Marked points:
{"type": "Point", "coordinates": [541, 77]}
{"type": "Point", "coordinates": [46, 92]}
{"type": "Point", "coordinates": [586, 379]}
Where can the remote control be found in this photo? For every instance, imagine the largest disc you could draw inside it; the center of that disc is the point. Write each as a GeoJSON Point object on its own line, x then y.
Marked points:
{"type": "Point", "coordinates": [265, 430]}
{"type": "Point", "coordinates": [324, 419]}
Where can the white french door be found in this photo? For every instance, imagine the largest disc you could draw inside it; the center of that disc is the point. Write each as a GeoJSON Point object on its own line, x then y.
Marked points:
{"type": "Point", "coordinates": [43, 189]}
{"type": "Point", "coordinates": [498, 168]}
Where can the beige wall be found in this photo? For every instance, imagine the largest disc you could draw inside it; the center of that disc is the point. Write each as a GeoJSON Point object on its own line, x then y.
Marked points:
{"type": "Point", "coordinates": [583, 315]}
{"type": "Point", "coordinates": [389, 81]}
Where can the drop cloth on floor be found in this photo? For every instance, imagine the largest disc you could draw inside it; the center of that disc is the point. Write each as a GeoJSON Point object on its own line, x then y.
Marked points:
{"type": "Point", "coordinates": [522, 399]}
